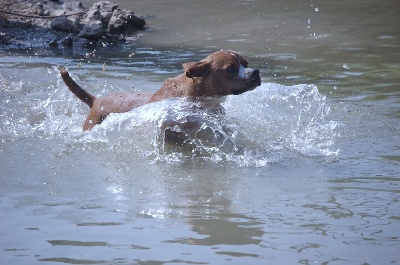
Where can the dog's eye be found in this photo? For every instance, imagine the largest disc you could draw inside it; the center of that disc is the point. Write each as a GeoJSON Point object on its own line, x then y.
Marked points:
{"type": "Point", "coordinates": [231, 69]}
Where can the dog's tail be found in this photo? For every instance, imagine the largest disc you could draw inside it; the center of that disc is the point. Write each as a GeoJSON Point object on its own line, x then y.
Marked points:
{"type": "Point", "coordinates": [78, 91]}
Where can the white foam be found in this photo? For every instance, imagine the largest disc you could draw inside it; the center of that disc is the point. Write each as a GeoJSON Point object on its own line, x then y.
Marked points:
{"type": "Point", "coordinates": [259, 127]}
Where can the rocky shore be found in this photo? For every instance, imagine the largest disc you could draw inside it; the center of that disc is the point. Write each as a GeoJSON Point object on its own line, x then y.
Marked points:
{"type": "Point", "coordinates": [64, 24]}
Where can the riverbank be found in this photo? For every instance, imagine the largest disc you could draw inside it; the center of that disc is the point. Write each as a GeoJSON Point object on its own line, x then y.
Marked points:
{"type": "Point", "coordinates": [59, 24]}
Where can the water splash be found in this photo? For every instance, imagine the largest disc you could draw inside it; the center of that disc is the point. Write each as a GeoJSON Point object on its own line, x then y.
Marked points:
{"type": "Point", "coordinates": [257, 128]}
{"type": "Point", "coordinates": [254, 129]}
{"type": "Point", "coordinates": [286, 118]}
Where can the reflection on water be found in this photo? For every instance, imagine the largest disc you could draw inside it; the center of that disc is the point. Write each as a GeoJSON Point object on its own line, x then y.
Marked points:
{"type": "Point", "coordinates": [304, 169]}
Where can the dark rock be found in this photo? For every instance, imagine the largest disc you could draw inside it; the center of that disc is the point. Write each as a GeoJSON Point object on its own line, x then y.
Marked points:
{"type": "Point", "coordinates": [135, 22]}
{"type": "Point", "coordinates": [53, 43]}
{"type": "Point", "coordinates": [106, 41]}
{"type": "Point", "coordinates": [68, 40]}
{"type": "Point", "coordinates": [112, 38]}
{"type": "Point", "coordinates": [64, 24]}
{"type": "Point", "coordinates": [82, 43]}
{"type": "Point", "coordinates": [93, 31]}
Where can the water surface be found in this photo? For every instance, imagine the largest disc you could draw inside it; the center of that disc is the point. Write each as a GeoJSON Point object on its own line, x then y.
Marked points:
{"type": "Point", "coordinates": [302, 170]}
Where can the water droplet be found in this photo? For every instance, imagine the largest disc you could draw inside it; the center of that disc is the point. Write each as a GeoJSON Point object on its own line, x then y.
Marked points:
{"type": "Point", "coordinates": [316, 9]}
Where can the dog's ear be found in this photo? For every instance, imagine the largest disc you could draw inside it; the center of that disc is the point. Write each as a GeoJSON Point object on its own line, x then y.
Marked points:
{"type": "Point", "coordinates": [186, 66]}
{"type": "Point", "coordinates": [198, 69]}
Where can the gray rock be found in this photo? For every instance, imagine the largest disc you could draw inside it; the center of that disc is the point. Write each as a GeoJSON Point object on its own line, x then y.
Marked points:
{"type": "Point", "coordinates": [121, 19]}
{"type": "Point", "coordinates": [92, 16]}
{"type": "Point", "coordinates": [100, 11]}
{"type": "Point", "coordinates": [117, 23]}
{"type": "Point", "coordinates": [103, 25]}
{"type": "Point", "coordinates": [72, 6]}
{"type": "Point", "coordinates": [106, 9]}
{"type": "Point", "coordinates": [105, 6]}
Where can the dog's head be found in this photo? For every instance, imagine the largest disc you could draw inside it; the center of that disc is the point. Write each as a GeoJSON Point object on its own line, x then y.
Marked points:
{"type": "Point", "coordinates": [223, 73]}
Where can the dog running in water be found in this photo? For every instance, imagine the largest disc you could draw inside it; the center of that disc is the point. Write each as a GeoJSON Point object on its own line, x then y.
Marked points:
{"type": "Point", "coordinates": [221, 74]}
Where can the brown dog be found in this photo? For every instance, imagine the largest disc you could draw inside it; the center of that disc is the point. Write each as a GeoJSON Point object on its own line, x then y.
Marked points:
{"type": "Point", "coordinates": [220, 74]}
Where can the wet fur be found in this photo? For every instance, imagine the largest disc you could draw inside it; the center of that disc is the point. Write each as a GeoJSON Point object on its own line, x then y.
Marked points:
{"type": "Point", "coordinates": [220, 74]}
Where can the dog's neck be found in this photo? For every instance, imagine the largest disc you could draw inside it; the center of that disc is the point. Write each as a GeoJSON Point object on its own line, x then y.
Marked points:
{"type": "Point", "coordinates": [180, 86]}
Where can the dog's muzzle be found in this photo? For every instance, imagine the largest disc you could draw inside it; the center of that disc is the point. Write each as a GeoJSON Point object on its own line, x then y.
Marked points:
{"type": "Point", "coordinates": [252, 77]}
{"type": "Point", "coordinates": [250, 81]}
{"type": "Point", "coordinates": [255, 75]}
